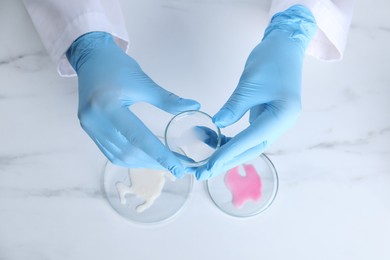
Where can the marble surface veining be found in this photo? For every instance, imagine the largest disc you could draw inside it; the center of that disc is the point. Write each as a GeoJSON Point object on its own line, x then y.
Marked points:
{"type": "Point", "coordinates": [334, 164]}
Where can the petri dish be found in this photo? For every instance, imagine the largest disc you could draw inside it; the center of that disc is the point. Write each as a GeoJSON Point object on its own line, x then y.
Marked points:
{"type": "Point", "coordinates": [152, 200]}
{"type": "Point", "coordinates": [245, 190]}
{"type": "Point", "coordinates": [185, 135]}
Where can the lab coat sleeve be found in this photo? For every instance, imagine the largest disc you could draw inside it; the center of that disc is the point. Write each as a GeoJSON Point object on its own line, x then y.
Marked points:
{"type": "Point", "coordinates": [333, 21]}
{"type": "Point", "coordinates": [60, 22]}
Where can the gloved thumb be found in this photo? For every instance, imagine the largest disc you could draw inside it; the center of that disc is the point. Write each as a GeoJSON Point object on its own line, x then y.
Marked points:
{"type": "Point", "coordinates": [170, 102]}
{"type": "Point", "coordinates": [236, 106]}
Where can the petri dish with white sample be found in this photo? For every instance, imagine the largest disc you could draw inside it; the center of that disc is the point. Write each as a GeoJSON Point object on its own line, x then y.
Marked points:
{"type": "Point", "coordinates": [145, 196]}
{"type": "Point", "coordinates": [185, 135]}
{"type": "Point", "coordinates": [245, 190]}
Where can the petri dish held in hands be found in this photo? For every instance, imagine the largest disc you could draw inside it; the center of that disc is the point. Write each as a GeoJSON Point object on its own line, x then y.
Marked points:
{"type": "Point", "coordinates": [245, 190]}
{"type": "Point", "coordinates": [185, 137]}
{"type": "Point", "coordinates": [145, 196]}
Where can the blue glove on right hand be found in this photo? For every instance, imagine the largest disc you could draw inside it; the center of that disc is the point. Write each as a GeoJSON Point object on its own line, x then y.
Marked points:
{"type": "Point", "coordinates": [109, 82]}
{"type": "Point", "coordinates": [270, 88]}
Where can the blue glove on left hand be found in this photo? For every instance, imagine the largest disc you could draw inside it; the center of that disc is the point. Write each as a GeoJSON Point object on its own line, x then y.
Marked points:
{"type": "Point", "coordinates": [110, 82]}
{"type": "Point", "coordinates": [270, 87]}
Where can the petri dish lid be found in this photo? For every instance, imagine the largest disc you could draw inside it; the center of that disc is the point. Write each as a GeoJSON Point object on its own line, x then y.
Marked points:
{"type": "Point", "coordinates": [185, 137]}
{"type": "Point", "coordinates": [170, 194]}
{"type": "Point", "coordinates": [245, 190]}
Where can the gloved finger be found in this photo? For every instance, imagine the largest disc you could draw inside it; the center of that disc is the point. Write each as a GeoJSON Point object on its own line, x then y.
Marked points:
{"type": "Point", "coordinates": [104, 148]}
{"type": "Point", "coordinates": [117, 149]}
{"type": "Point", "coordinates": [137, 134]}
{"type": "Point", "coordinates": [242, 142]}
{"type": "Point", "coordinates": [255, 112]}
{"type": "Point", "coordinates": [238, 104]}
{"type": "Point", "coordinates": [210, 137]}
{"type": "Point", "coordinates": [203, 173]}
{"type": "Point", "coordinates": [92, 126]}
{"type": "Point", "coordinates": [167, 101]}
{"type": "Point", "coordinates": [128, 156]}
{"type": "Point", "coordinates": [183, 157]}
{"type": "Point", "coordinates": [265, 129]}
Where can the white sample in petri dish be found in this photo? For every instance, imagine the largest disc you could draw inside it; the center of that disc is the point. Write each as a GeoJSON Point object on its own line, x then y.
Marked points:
{"type": "Point", "coordinates": [185, 136]}
{"type": "Point", "coordinates": [245, 190]}
{"type": "Point", "coordinates": [145, 196]}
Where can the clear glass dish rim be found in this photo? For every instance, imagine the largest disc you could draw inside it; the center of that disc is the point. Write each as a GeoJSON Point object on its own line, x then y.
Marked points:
{"type": "Point", "coordinates": [184, 113]}
{"type": "Point", "coordinates": [146, 224]}
{"type": "Point", "coordinates": [269, 203]}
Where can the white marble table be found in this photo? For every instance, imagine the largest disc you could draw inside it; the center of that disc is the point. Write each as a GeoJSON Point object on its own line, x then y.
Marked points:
{"type": "Point", "coordinates": [334, 164]}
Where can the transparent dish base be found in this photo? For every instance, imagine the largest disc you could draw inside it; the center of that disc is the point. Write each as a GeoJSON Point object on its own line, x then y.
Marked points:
{"type": "Point", "coordinates": [252, 189]}
{"type": "Point", "coordinates": [174, 195]}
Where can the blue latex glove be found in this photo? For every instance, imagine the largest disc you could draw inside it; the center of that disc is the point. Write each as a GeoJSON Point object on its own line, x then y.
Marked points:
{"type": "Point", "coordinates": [109, 82]}
{"type": "Point", "coordinates": [270, 87]}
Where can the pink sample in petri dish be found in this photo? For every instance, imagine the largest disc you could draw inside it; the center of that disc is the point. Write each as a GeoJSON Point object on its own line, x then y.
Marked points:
{"type": "Point", "coordinates": [245, 187]}
{"type": "Point", "coordinates": [245, 190]}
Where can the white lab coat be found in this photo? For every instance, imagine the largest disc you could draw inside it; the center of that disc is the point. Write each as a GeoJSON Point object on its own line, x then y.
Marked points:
{"type": "Point", "coordinates": [60, 22]}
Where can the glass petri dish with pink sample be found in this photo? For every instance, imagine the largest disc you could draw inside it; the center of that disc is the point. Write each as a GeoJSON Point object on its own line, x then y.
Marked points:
{"type": "Point", "coordinates": [245, 190]}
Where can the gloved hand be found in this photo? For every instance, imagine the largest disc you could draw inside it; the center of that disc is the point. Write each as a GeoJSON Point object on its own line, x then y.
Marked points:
{"type": "Point", "coordinates": [109, 82]}
{"type": "Point", "coordinates": [270, 87]}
